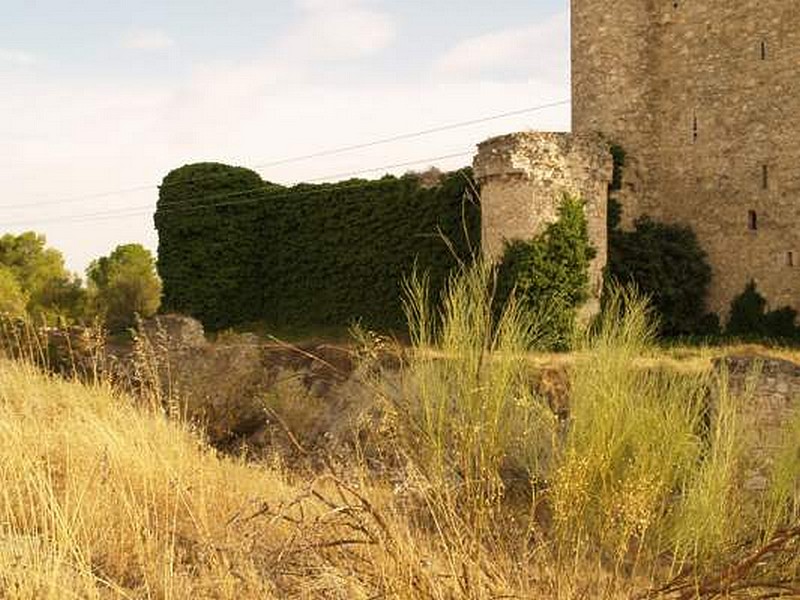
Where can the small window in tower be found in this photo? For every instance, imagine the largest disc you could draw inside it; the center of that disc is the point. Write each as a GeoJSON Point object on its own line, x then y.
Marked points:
{"type": "Point", "coordinates": [790, 259]}
{"type": "Point", "coordinates": [765, 177]}
{"type": "Point", "coordinates": [695, 128]}
{"type": "Point", "coordinates": [752, 220]}
{"type": "Point", "coordinates": [763, 50]}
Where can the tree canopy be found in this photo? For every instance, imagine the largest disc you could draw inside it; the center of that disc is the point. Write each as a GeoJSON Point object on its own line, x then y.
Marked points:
{"type": "Point", "coordinates": [52, 292]}
{"type": "Point", "coordinates": [665, 262]}
{"type": "Point", "coordinates": [13, 300]}
{"type": "Point", "coordinates": [124, 284]}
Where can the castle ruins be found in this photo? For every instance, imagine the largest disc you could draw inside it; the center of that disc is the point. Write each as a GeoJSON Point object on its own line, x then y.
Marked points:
{"type": "Point", "coordinates": [704, 98]}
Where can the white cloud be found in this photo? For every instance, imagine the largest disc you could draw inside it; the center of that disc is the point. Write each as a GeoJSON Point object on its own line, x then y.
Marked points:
{"type": "Point", "coordinates": [147, 39]}
{"type": "Point", "coordinates": [18, 58]}
{"type": "Point", "coordinates": [337, 30]}
{"type": "Point", "coordinates": [538, 51]}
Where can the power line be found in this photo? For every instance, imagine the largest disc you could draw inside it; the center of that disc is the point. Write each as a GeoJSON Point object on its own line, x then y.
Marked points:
{"type": "Point", "coordinates": [407, 136]}
{"type": "Point", "coordinates": [82, 198]}
{"type": "Point", "coordinates": [144, 209]}
{"type": "Point", "coordinates": [303, 157]}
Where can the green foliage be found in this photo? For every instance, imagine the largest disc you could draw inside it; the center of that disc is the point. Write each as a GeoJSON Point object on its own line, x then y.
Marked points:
{"type": "Point", "coordinates": [53, 293]}
{"type": "Point", "coordinates": [618, 156]}
{"type": "Point", "coordinates": [124, 284]}
{"type": "Point", "coordinates": [467, 411]}
{"type": "Point", "coordinates": [633, 437]}
{"type": "Point", "coordinates": [749, 317]}
{"type": "Point", "coordinates": [667, 264]}
{"type": "Point", "coordinates": [210, 252]}
{"type": "Point", "coordinates": [13, 300]}
{"type": "Point", "coordinates": [549, 274]}
{"type": "Point", "coordinates": [235, 249]}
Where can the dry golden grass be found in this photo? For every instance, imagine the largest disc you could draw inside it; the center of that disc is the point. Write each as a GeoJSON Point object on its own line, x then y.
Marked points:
{"type": "Point", "coordinates": [485, 492]}
{"type": "Point", "coordinates": [100, 498]}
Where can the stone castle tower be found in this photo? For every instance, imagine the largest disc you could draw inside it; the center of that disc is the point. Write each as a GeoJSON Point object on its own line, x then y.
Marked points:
{"type": "Point", "coordinates": [704, 97]}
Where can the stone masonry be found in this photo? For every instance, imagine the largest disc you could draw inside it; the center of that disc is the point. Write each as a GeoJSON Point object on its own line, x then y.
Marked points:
{"type": "Point", "coordinates": [768, 395]}
{"type": "Point", "coordinates": [704, 97]}
{"type": "Point", "coordinates": [524, 177]}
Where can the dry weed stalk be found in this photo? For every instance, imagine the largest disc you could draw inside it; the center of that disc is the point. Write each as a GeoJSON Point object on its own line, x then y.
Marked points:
{"type": "Point", "coordinates": [768, 571]}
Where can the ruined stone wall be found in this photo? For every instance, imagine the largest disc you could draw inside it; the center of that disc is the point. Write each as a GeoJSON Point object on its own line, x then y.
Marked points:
{"type": "Point", "coordinates": [767, 395]}
{"type": "Point", "coordinates": [523, 178]}
{"type": "Point", "coordinates": [711, 125]}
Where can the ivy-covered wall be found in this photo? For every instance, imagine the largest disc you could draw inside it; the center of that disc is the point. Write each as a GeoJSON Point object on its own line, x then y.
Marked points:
{"type": "Point", "coordinates": [235, 249]}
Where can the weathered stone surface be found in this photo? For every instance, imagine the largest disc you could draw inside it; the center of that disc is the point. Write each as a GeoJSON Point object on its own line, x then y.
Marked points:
{"type": "Point", "coordinates": [769, 392]}
{"type": "Point", "coordinates": [178, 331]}
{"type": "Point", "coordinates": [704, 98]}
{"type": "Point", "coordinates": [523, 179]}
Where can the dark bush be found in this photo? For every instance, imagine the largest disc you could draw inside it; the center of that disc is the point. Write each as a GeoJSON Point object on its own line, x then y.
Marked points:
{"type": "Point", "coordinates": [750, 319]}
{"type": "Point", "coordinates": [665, 262]}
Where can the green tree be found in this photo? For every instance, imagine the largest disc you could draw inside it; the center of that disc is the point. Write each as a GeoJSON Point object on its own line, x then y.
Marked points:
{"type": "Point", "coordinates": [550, 273]}
{"type": "Point", "coordinates": [667, 264]}
{"type": "Point", "coordinates": [13, 301]}
{"type": "Point", "coordinates": [52, 291]}
{"type": "Point", "coordinates": [124, 284]}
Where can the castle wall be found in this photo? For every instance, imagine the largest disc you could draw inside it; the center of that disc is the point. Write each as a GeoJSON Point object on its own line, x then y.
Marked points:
{"type": "Point", "coordinates": [712, 126]}
{"type": "Point", "coordinates": [766, 392]}
{"type": "Point", "coordinates": [612, 62]}
{"type": "Point", "coordinates": [524, 177]}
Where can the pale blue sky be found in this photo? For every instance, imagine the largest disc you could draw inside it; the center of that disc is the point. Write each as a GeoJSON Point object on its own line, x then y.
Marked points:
{"type": "Point", "coordinates": [100, 96]}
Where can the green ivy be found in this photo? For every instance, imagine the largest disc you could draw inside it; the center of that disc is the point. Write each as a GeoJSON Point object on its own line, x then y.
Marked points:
{"type": "Point", "coordinates": [234, 249]}
{"type": "Point", "coordinates": [550, 273]}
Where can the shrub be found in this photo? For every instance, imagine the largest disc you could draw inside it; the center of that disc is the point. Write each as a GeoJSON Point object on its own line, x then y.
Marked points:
{"type": "Point", "coordinates": [749, 317]}
{"type": "Point", "coordinates": [549, 274]}
{"type": "Point", "coordinates": [667, 264]}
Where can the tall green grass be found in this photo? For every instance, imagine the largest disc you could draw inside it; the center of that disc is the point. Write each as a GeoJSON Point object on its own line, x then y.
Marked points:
{"type": "Point", "coordinates": [469, 413]}
{"type": "Point", "coordinates": [645, 477]}
{"type": "Point", "coordinates": [634, 439]}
